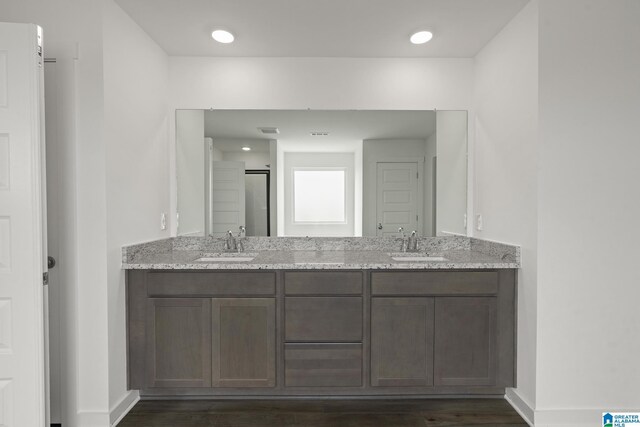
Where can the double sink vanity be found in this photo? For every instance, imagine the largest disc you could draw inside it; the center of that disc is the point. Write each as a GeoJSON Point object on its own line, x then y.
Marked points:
{"type": "Point", "coordinates": [321, 317]}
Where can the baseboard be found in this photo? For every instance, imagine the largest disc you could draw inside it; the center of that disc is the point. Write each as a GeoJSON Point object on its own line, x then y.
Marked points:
{"type": "Point", "coordinates": [574, 417]}
{"type": "Point", "coordinates": [92, 419]}
{"type": "Point", "coordinates": [122, 408]}
{"type": "Point", "coordinates": [520, 405]}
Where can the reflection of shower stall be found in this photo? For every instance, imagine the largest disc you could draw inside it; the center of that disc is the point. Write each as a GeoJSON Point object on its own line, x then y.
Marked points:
{"type": "Point", "coordinates": [257, 202]}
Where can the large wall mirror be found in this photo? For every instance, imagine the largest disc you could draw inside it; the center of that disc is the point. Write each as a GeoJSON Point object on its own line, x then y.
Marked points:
{"type": "Point", "coordinates": [321, 173]}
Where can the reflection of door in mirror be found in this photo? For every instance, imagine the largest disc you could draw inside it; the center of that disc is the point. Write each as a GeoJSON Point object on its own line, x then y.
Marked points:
{"type": "Point", "coordinates": [397, 185]}
{"type": "Point", "coordinates": [397, 198]}
{"type": "Point", "coordinates": [226, 189]}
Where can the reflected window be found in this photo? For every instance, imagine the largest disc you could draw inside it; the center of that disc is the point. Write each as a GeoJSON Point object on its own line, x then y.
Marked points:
{"type": "Point", "coordinates": [319, 195]}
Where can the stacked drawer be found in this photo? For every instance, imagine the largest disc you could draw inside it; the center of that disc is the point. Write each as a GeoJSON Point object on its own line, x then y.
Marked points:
{"type": "Point", "coordinates": [323, 328]}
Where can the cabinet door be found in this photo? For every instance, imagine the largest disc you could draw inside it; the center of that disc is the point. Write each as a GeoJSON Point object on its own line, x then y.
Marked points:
{"type": "Point", "coordinates": [465, 343]}
{"type": "Point", "coordinates": [179, 342]}
{"type": "Point", "coordinates": [402, 342]}
{"type": "Point", "coordinates": [244, 342]}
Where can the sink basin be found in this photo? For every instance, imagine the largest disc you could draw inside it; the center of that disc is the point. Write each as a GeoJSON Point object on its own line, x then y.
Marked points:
{"type": "Point", "coordinates": [418, 258]}
{"type": "Point", "coordinates": [319, 263]}
{"type": "Point", "coordinates": [226, 257]}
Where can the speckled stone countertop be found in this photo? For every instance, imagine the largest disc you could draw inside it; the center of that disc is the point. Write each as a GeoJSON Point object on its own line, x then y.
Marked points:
{"type": "Point", "coordinates": [320, 254]}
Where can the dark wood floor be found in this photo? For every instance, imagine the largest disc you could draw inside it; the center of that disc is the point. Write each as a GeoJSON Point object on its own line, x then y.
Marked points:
{"type": "Point", "coordinates": [323, 413]}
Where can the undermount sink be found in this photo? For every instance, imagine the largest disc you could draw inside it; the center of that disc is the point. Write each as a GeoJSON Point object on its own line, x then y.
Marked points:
{"type": "Point", "coordinates": [319, 262]}
{"type": "Point", "coordinates": [408, 257]}
{"type": "Point", "coordinates": [226, 257]}
{"type": "Point", "coordinates": [418, 258]}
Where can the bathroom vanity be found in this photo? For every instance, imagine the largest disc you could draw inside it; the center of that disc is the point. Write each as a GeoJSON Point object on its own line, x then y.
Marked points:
{"type": "Point", "coordinates": [318, 323]}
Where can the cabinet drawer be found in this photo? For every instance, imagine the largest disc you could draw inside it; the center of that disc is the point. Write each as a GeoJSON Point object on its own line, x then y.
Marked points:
{"type": "Point", "coordinates": [323, 365]}
{"type": "Point", "coordinates": [209, 284]}
{"type": "Point", "coordinates": [323, 283]}
{"type": "Point", "coordinates": [435, 283]}
{"type": "Point", "coordinates": [323, 319]}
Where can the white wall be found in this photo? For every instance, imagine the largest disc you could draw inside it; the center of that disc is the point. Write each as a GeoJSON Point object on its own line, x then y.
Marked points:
{"type": "Point", "coordinates": [506, 166]}
{"type": "Point", "coordinates": [137, 162]}
{"type": "Point", "coordinates": [321, 83]}
{"type": "Point", "coordinates": [452, 171]}
{"type": "Point", "coordinates": [589, 204]}
{"type": "Point", "coordinates": [190, 161]}
{"type": "Point", "coordinates": [252, 160]}
{"type": "Point", "coordinates": [216, 154]}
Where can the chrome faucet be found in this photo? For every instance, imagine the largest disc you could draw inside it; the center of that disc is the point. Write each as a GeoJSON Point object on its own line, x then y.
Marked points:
{"type": "Point", "coordinates": [230, 244]}
{"type": "Point", "coordinates": [240, 240]}
{"type": "Point", "coordinates": [403, 240]}
{"type": "Point", "coordinates": [412, 242]}
{"type": "Point", "coordinates": [233, 243]}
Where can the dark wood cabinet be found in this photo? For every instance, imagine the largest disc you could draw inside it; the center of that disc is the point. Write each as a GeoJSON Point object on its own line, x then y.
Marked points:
{"type": "Point", "coordinates": [402, 331]}
{"type": "Point", "coordinates": [321, 333]}
{"type": "Point", "coordinates": [465, 341]}
{"type": "Point", "coordinates": [179, 342]}
{"type": "Point", "coordinates": [194, 330]}
{"type": "Point", "coordinates": [243, 342]}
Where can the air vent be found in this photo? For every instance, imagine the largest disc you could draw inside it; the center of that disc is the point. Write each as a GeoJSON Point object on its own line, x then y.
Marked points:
{"type": "Point", "coordinates": [269, 131]}
{"type": "Point", "coordinates": [319, 133]}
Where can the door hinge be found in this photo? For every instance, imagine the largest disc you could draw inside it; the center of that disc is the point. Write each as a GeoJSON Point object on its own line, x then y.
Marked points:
{"type": "Point", "coordinates": [417, 175]}
{"type": "Point", "coordinates": [45, 278]}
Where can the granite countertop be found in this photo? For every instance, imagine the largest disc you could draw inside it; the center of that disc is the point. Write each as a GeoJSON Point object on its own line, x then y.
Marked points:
{"type": "Point", "coordinates": [311, 260]}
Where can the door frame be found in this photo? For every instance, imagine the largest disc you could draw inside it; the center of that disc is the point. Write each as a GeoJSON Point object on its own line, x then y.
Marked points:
{"type": "Point", "coordinates": [268, 174]}
{"type": "Point", "coordinates": [370, 215]}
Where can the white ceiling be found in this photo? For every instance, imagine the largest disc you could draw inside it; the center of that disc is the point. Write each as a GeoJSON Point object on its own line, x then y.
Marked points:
{"type": "Point", "coordinates": [323, 28]}
{"type": "Point", "coordinates": [295, 126]}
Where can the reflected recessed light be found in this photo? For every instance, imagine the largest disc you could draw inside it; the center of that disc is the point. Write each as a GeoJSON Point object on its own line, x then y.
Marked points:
{"type": "Point", "coordinates": [222, 36]}
{"type": "Point", "coordinates": [246, 148]}
{"type": "Point", "coordinates": [421, 37]}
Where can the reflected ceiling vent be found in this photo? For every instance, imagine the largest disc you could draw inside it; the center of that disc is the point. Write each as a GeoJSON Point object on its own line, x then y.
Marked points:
{"type": "Point", "coordinates": [319, 133]}
{"type": "Point", "coordinates": [269, 131]}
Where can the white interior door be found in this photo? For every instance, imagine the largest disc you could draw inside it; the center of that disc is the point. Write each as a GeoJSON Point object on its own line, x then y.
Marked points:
{"type": "Point", "coordinates": [396, 198]}
{"type": "Point", "coordinates": [22, 397]}
{"type": "Point", "coordinates": [227, 197]}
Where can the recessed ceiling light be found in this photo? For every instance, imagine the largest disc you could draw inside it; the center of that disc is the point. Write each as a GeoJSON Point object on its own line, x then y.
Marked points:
{"type": "Point", "coordinates": [421, 37]}
{"type": "Point", "coordinates": [222, 36]}
{"type": "Point", "coordinates": [246, 148]}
